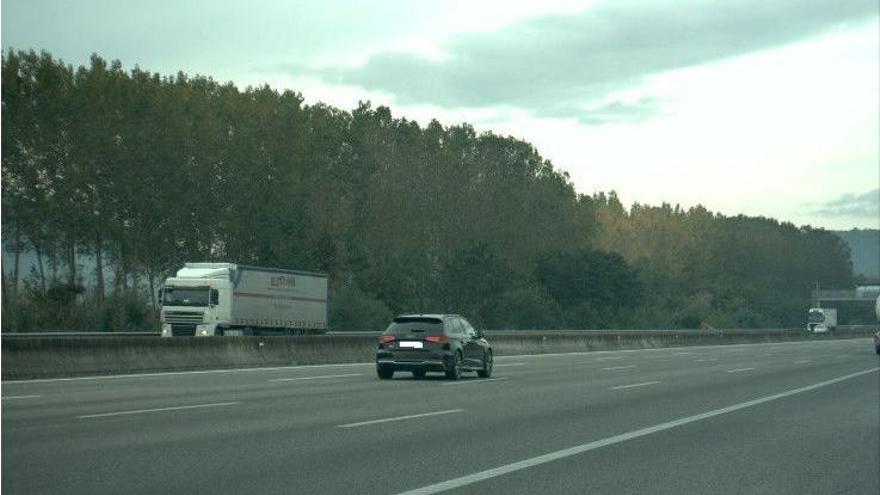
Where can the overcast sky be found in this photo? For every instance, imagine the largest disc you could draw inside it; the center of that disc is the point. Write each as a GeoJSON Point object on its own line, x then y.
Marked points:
{"type": "Point", "coordinates": [759, 107]}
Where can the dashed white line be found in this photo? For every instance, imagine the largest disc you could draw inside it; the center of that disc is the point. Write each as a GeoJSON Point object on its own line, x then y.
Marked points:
{"type": "Point", "coordinates": [706, 360]}
{"type": "Point", "coordinates": [320, 377]}
{"type": "Point", "coordinates": [644, 384]}
{"type": "Point", "coordinates": [470, 382]}
{"type": "Point", "coordinates": [400, 418]}
{"type": "Point", "coordinates": [610, 358]}
{"type": "Point", "coordinates": [737, 370]}
{"type": "Point", "coordinates": [612, 368]}
{"type": "Point", "coordinates": [497, 365]}
{"type": "Point", "coordinates": [158, 409]}
{"type": "Point", "coordinates": [14, 397]}
{"type": "Point", "coordinates": [623, 437]}
{"type": "Point", "coordinates": [803, 361]}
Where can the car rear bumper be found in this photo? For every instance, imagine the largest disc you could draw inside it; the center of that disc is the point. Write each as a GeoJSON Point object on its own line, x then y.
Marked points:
{"type": "Point", "coordinates": [427, 365]}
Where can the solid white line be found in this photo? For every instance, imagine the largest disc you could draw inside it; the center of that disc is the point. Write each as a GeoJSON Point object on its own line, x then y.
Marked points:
{"type": "Point", "coordinates": [737, 370]}
{"type": "Point", "coordinates": [608, 358]}
{"type": "Point", "coordinates": [321, 377]}
{"type": "Point", "coordinates": [176, 373]}
{"type": "Point", "coordinates": [853, 341]}
{"type": "Point", "coordinates": [579, 449]}
{"type": "Point", "coordinates": [11, 397]}
{"type": "Point", "coordinates": [683, 353]}
{"type": "Point", "coordinates": [509, 364]}
{"type": "Point", "coordinates": [469, 382]}
{"type": "Point", "coordinates": [399, 418]}
{"type": "Point", "coordinates": [645, 384]}
{"type": "Point", "coordinates": [612, 368]}
{"type": "Point", "coordinates": [158, 409]}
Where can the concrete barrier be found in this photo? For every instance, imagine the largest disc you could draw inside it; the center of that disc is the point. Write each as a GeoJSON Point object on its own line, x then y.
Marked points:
{"type": "Point", "coordinates": [58, 357]}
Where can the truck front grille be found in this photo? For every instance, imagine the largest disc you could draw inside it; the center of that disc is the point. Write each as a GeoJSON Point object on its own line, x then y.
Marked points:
{"type": "Point", "coordinates": [184, 317]}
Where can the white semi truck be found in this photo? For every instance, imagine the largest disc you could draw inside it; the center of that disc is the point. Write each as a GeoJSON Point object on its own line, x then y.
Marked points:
{"type": "Point", "coordinates": [822, 320]}
{"type": "Point", "coordinates": [206, 299]}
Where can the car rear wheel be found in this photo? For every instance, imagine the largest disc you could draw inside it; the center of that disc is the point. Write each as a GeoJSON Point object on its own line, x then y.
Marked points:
{"type": "Point", "coordinates": [454, 371]}
{"type": "Point", "coordinates": [385, 373]}
{"type": "Point", "coordinates": [488, 365]}
{"type": "Point", "coordinates": [419, 373]}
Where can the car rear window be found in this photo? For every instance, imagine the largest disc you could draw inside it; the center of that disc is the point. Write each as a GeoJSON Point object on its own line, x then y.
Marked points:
{"type": "Point", "coordinates": [406, 326]}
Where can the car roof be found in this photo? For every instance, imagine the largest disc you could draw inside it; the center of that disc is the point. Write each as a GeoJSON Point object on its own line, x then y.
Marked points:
{"type": "Point", "coordinates": [428, 315]}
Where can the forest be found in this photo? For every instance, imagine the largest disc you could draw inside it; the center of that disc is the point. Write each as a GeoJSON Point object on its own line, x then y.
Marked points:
{"type": "Point", "coordinates": [145, 171]}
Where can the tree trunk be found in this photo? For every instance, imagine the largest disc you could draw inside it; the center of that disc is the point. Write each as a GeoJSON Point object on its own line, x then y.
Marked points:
{"type": "Point", "coordinates": [151, 279]}
{"type": "Point", "coordinates": [40, 270]}
{"type": "Point", "coordinates": [71, 263]}
{"type": "Point", "coordinates": [15, 266]}
{"type": "Point", "coordinates": [99, 270]}
{"type": "Point", "coordinates": [3, 282]}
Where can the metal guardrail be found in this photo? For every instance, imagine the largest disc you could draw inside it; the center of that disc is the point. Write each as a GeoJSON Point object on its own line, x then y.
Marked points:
{"type": "Point", "coordinates": [489, 333]}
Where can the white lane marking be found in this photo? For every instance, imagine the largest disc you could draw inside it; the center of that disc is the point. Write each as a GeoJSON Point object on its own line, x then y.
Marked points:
{"type": "Point", "coordinates": [612, 368]}
{"type": "Point", "coordinates": [623, 437]}
{"type": "Point", "coordinates": [321, 377]}
{"type": "Point", "coordinates": [469, 382]}
{"type": "Point", "coordinates": [13, 397]}
{"type": "Point", "coordinates": [399, 418]}
{"type": "Point", "coordinates": [176, 373]}
{"type": "Point", "coordinates": [644, 384]}
{"type": "Point", "coordinates": [853, 342]}
{"type": "Point", "coordinates": [802, 361]}
{"type": "Point", "coordinates": [737, 370]}
{"type": "Point", "coordinates": [612, 358]}
{"type": "Point", "coordinates": [158, 409]}
{"type": "Point", "coordinates": [683, 353]}
{"type": "Point", "coordinates": [707, 360]}
{"type": "Point", "coordinates": [509, 364]}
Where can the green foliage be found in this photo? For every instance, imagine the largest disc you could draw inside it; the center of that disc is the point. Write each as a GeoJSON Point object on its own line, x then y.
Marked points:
{"type": "Point", "coordinates": [352, 309]}
{"type": "Point", "coordinates": [148, 172]}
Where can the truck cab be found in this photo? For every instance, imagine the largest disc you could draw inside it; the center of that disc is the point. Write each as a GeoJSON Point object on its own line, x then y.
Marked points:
{"type": "Point", "coordinates": [821, 320]}
{"type": "Point", "coordinates": [196, 300]}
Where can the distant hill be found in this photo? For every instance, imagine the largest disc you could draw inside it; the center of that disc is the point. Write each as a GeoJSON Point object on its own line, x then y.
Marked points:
{"type": "Point", "coordinates": [865, 247]}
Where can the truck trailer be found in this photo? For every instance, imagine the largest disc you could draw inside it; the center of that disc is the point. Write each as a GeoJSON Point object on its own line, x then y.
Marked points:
{"type": "Point", "coordinates": [208, 299]}
{"type": "Point", "coordinates": [822, 320]}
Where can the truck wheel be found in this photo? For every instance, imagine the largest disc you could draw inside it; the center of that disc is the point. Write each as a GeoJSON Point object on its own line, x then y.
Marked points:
{"type": "Point", "coordinates": [384, 373]}
{"type": "Point", "coordinates": [488, 365]}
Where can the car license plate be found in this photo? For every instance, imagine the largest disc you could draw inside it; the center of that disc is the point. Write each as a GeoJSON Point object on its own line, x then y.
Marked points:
{"type": "Point", "coordinates": [411, 345]}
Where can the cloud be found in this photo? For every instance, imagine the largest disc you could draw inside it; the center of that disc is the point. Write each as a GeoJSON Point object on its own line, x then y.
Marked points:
{"type": "Point", "coordinates": [555, 65]}
{"type": "Point", "coordinates": [866, 205]}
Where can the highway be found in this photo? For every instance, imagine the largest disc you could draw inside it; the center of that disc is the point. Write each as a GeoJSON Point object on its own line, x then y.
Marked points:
{"type": "Point", "coordinates": [798, 418]}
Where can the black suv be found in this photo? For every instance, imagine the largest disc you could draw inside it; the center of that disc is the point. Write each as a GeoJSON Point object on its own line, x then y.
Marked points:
{"type": "Point", "coordinates": [423, 343]}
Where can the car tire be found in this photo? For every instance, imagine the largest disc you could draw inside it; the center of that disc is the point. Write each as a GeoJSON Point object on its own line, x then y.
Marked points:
{"type": "Point", "coordinates": [419, 374]}
{"type": "Point", "coordinates": [488, 366]}
{"type": "Point", "coordinates": [385, 373]}
{"type": "Point", "coordinates": [454, 372]}
{"type": "Point", "coordinates": [877, 349]}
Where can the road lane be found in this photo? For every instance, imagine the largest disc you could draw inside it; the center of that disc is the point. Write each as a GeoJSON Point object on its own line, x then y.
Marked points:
{"type": "Point", "coordinates": [282, 437]}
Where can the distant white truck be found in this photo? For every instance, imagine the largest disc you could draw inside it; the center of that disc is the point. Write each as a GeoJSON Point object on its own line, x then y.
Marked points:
{"type": "Point", "coordinates": [822, 320]}
{"type": "Point", "coordinates": [206, 299]}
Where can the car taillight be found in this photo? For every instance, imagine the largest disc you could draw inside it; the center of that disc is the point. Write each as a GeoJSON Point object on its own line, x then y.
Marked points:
{"type": "Point", "coordinates": [437, 339]}
{"type": "Point", "coordinates": [386, 339]}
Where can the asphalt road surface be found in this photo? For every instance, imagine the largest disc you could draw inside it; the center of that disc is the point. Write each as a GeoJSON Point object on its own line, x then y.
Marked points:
{"type": "Point", "coordinates": [779, 418]}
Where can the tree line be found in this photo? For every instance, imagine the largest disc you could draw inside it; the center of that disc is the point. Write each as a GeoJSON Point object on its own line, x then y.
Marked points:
{"type": "Point", "coordinates": [145, 172]}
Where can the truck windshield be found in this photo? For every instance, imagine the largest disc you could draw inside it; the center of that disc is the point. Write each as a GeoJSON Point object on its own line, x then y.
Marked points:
{"type": "Point", "coordinates": [816, 316]}
{"type": "Point", "coordinates": [178, 296]}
